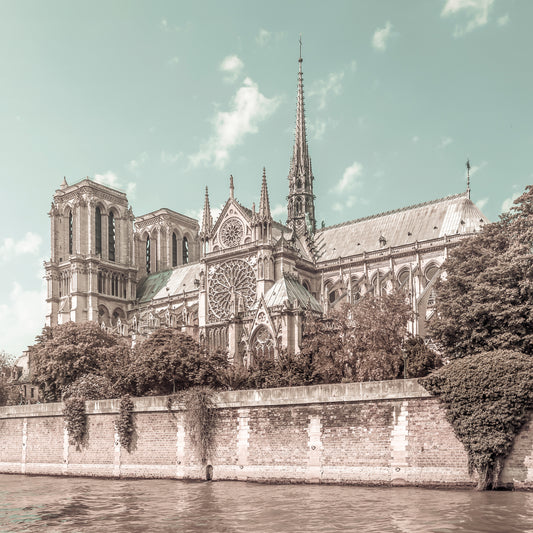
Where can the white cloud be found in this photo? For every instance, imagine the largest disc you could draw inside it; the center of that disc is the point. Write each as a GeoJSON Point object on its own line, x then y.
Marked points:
{"type": "Point", "coordinates": [349, 178]}
{"type": "Point", "coordinates": [476, 10]}
{"type": "Point", "coordinates": [445, 141]}
{"type": "Point", "coordinates": [248, 108]}
{"type": "Point", "coordinates": [480, 204]}
{"type": "Point", "coordinates": [263, 37]}
{"type": "Point", "coordinates": [279, 211]}
{"type": "Point", "coordinates": [29, 244]}
{"type": "Point", "coordinates": [232, 66]}
{"type": "Point", "coordinates": [135, 164]}
{"type": "Point", "coordinates": [504, 20]}
{"type": "Point", "coordinates": [164, 24]}
{"type": "Point", "coordinates": [317, 129]}
{"type": "Point", "coordinates": [381, 36]}
{"type": "Point", "coordinates": [21, 318]}
{"type": "Point", "coordinates": [168, 158]}
{"type": "Point", "coordinates": [174, 60]}
{"type": "Point", "coordinates": [415, 139]}
{"type": "Point", "coordinates": [112, 180]}
{"type": "Point", "coordinates": [323, 88]}
{"type": "Point", "coordinates": [508, 202]}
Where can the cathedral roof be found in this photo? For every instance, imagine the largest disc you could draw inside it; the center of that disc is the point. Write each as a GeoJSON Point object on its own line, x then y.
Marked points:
{"type": "Point", "coordinates": [288, 288]}
{"type": "Point", "coordinates": [177, 280]}
{"type": "Point", "coordinates": [423, 222]}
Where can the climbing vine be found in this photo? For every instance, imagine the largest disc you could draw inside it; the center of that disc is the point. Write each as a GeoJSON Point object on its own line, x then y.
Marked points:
{"type": "Point", "coordinates": [124, 424]}
{"type": "Point", "coordinates": [76, 418]}
{"type": "Point", "coordinates": [487, 398]}
{"type": "Point", "coordinates": [200, 418]}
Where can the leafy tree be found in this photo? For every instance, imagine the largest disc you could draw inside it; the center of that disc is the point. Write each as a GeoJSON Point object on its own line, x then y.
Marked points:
{"type": "Point", "coordinates": [485, 301]}
{"type": "Point", "coordinates": [65, 353]}
{"type": "Point", "coordinates": [91, 387]}
{"type": "Point", "coordinates": [7, 392]}
{"type": "Point", "coordinates": [419, 359]}
{"type": "Point", "coordinates": [169, 360]}
{"type": "Point", "coordinates": [488, 398]}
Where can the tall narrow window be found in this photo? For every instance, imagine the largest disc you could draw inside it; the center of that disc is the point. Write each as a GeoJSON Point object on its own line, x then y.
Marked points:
{"type": "Point", "coordinates": [98, 231]}
{"type": "Point", "coordinates": [111, 237]}
{"type": "Point", "coordinates": [148, 255]}
{"type": "Point", "coordinates": [70, 233]}
{"type": "Point", "coordinates": [185, 247]}
{"type": "Point", "coordinates": [174, 250]}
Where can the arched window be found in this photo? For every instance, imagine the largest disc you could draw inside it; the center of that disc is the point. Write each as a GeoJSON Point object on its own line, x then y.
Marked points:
{"type": "Point", "coordinates": [112, 230]}
{"type": "Point", "coordinates": [148, 254]}
{"type": "Point", "coordinates": [98, 230]}
{"type": "Point", "coordinates": [263, 344]}
{"type": "Point", "coordinates": [403, 280]}
{"type": "Point", "coordinates": [70, 233]}
{"type": "Point", "coordinates": [174, 250]}
{"type": "Point", "coordinates": [185, 249]}
{"type": "Point", "coordinates": [431, 270]}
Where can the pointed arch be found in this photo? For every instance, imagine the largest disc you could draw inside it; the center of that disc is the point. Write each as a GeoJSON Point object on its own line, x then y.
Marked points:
{"type": "Point", "coordinates": [112, 233]}
{"type": "Point", "coordinates": [262, 345]}
{"type": "Point", "coordinates": [148, 253]}
{"type": "Point", "coordinates": [98, 230]}
{"type": "Point", "coordinates": [174, 249]}
{"type": "Point", "coordinates": [185, 250]}
{"type": "Point", "coordinates": [70, 232]}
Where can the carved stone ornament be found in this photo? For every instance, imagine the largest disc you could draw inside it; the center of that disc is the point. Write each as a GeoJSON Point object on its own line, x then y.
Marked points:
{"type": "Point", "coordinates": [230, 282]}
{"type": "Point", "coordinates": [231, 232]}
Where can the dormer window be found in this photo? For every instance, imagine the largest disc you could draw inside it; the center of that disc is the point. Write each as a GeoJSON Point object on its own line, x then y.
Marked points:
{"type": "Point", "coordinates": [382, 241]}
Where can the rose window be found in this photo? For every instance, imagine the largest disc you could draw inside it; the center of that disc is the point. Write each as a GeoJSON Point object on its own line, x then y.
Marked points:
{"type": "Point", "coordinates": [231, 232]}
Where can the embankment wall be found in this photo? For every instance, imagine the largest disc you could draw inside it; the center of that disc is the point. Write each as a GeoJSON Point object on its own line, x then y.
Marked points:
{"type": "Point", "coordinates": [384, 433]}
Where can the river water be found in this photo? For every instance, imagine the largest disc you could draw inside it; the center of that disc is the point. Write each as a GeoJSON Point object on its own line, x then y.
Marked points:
{"type": "Point", "coordinates": [39, 503]}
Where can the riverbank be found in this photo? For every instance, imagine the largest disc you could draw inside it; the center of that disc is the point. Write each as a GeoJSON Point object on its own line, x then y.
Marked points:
{"type": "Point", "coordinates": [390, 433]}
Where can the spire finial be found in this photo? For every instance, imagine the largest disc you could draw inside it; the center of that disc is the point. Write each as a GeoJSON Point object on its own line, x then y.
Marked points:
{"type": "Point", "coordinates": [300, 41]}
{"type": "Point", "coordinates": [264, 203]}
{"type": "Point", "coordinates": [231, 187]}
{"type": "Point", "coordinates": [207, 219]}
{"type": "Point", "coordinates": [468, 177]}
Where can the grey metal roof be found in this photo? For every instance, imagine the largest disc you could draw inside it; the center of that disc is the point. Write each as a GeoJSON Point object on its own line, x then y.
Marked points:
{"type": "Point", "coordinates": [177, 280]}
{"type": "Point", "coordinates": [446, 216]}
{"type": "Point", "coordinates": [289, 288]}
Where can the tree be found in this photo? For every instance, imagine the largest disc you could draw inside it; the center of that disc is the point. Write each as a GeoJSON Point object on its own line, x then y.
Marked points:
{"type": "Point", "coordinates": [419, 359]}
{"type": "Point", "coordinates": [169, 360]}
{"type": "Point", "coordinates": [485, 300]}
{"type": "Point", "coordinates": [65, 353]}
{"type": "Point", "coordinates": [7, 392]}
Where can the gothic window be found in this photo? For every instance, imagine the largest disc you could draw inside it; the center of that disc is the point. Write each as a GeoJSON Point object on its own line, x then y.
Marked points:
{"type": "Point", "coordinates": [298, 206]}
{"type": "Point", "coordinates": [332, 296]}
{"type": "Point", "coordinates": [403, 280]}
{"type": "Point", "coordinates": [70, 233]}
{"type": "Point", "coordinates": [431, 270]}
{"type": "Point", "coordinates": [262, 344]}
{"type": "Point", "coordinates": [356, 290]}
{"type": "Point", "coordinates": [174, 250]}
{"type": "Point", "coordinates": [298, 183]}
{"type": "Point", "coordinates": [148, 254]}
{"type": "Point", "coordinates": [112, 234]}
{"type": "Point", "coordinates": [185, 250]}
{"type": "Point", "coordinates": [100, 283]}
{"type": "Point", "coordinates": [98, 230]}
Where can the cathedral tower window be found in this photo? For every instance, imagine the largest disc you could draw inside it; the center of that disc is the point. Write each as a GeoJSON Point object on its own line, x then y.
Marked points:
{"type": "Point", "coordinates": [174, 250]}
{"type": "Point", "coordinates": [112, 235]}
{"type": "Point", "coordinates": [98, 230]}
{"type": "Point", "coordinates": [148, 254]}
{"type": "Point", "coordinates": [185, 250]}
{"type": "Point", "coordinates": [70, 233]}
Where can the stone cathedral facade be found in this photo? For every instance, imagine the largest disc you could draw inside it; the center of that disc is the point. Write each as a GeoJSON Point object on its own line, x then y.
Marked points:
{"type": "Point", "coordinates": [243, 283]}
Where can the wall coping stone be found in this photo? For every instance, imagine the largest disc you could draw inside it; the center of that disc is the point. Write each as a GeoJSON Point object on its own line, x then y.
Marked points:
{"type": "Point", "coordinates": [332, 393]}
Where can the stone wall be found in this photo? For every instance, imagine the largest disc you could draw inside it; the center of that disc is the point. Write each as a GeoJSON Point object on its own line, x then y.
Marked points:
{"type": "Point", "coordinates": [384, 433]}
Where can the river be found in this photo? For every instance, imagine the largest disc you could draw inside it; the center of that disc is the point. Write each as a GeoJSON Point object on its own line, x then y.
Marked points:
{"type": "Point", "coordinates": [39, 503]}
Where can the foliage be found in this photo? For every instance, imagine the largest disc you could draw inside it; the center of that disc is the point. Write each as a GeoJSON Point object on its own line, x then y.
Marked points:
{"type": "Point", "coordinates": [7, 393]}
{"type": "Point", "coordinates": [124, 424]}
{"type": "Point", "coordinates": [64, 353]}
{"type": "Point", "coordinates": [200, 418]}
{"type": "Point", "coordinates": [76, 418]}
{"type": "Point", "coordinates": [91, 387]}
{"type": "Point", "coordinates": [487, 397]}
{"type": "Point", "coordinates": [359, 342]}
{"type": "Point", "coordinates": [419, 359]}
{"type": "Point", "coordinates": [170, 360]}
{"type": "Point", "coordinates": [485, 301]}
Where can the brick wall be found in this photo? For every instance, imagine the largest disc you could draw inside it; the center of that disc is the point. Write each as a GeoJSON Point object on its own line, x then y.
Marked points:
{"type": "Point", "coordinates": [370, 433]}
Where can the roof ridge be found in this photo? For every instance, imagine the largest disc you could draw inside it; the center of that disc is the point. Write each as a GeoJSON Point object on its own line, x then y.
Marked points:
{"type": "Point", "coordinates": [384, 213]}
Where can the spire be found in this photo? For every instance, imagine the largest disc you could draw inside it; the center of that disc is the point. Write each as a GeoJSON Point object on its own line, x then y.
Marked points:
{"type": "Point", "coordinates": [64, 184]}
{"type": "Point", "coordinates": [264, 203]}
{"type": "Point", "coordinates": [301, 205]}
{"type": "Point", "coordinates": [231, 188]}
{"type": "Point", "coordinates": [468, 177]}
{"type": "Point", "coordinates": [207, 219]}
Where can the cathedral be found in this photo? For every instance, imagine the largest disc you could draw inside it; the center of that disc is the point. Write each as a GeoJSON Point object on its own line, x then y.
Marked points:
{"type": "Point", "coordinates": [243, 283]}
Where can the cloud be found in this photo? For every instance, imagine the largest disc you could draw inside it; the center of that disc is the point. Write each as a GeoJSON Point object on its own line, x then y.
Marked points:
{"type": "Point", "coordinates": [508, 202]}
{"type": "Point", "coordinates": [168, 158]}
{"type": "Point", "coordinates": [174, 60]}
{"type": "Point", "coordinates": [317, 129]}
{"type": "Point", "coordinates": [232, 66]}
{"type": "Point", "coordinates": [480, 204]}
{"type": "Point", "coordinates": [29, 244]}
{"type": "Point", "coordinates": [22, 318]}
{"type": "Point", "coordinates": [503, 21]}
{"type": "Point", "coordinates": [112, 180]}
{"type": "Point", "coordinates": [263, 37]}
{"type": "Point", "coordinates": [476, 10]}
{"type": "Point", "coordinates": [248, 108]}
{"type": "Point", "coordinates": [164, 24]}
{"type": "Point", "coordinates": [323, 88]}
{"type": "Point", "coordinates": [381, 36]}
{"type": "Point", "coordinates": [415, 139]}
{"type": "Point", "coordinates": [445, 141]}
{"type": "Point", "coordinates": [279, 212]}
{"type": "Point", "coordinates": [349, 178]}
{"type": "Point", "coordinates": [135, 164]}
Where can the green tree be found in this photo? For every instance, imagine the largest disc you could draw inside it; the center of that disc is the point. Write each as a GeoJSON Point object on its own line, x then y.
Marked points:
{"type": "Point", "coordinates": [485, 301]}
{"type": "Point", "coordinates": [65, 353]}
{"type": "Point", "coordinates": [418, 359]}
{"type": "Point", "coordinates": [8, 394]}
{"type": "Point", "coordinates": [169, 360]}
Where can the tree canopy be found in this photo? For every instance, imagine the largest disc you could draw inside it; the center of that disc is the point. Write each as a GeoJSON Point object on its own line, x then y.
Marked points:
{"type": "Point", "coordinates": [485, 299]}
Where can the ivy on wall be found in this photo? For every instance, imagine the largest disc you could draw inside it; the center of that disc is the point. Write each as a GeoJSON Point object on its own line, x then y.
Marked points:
{"type": "Point", "coordinates": [125, 425]}
{"type": "Point", "coordinates": [76, 419]}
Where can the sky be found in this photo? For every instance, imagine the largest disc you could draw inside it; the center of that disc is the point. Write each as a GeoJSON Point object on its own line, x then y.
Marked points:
{"type": "Point", "coordinates": [162, 98]}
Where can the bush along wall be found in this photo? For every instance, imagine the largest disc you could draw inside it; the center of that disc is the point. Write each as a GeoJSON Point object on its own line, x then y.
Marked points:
{"type": "Point", "coordinates": [487, 398]}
